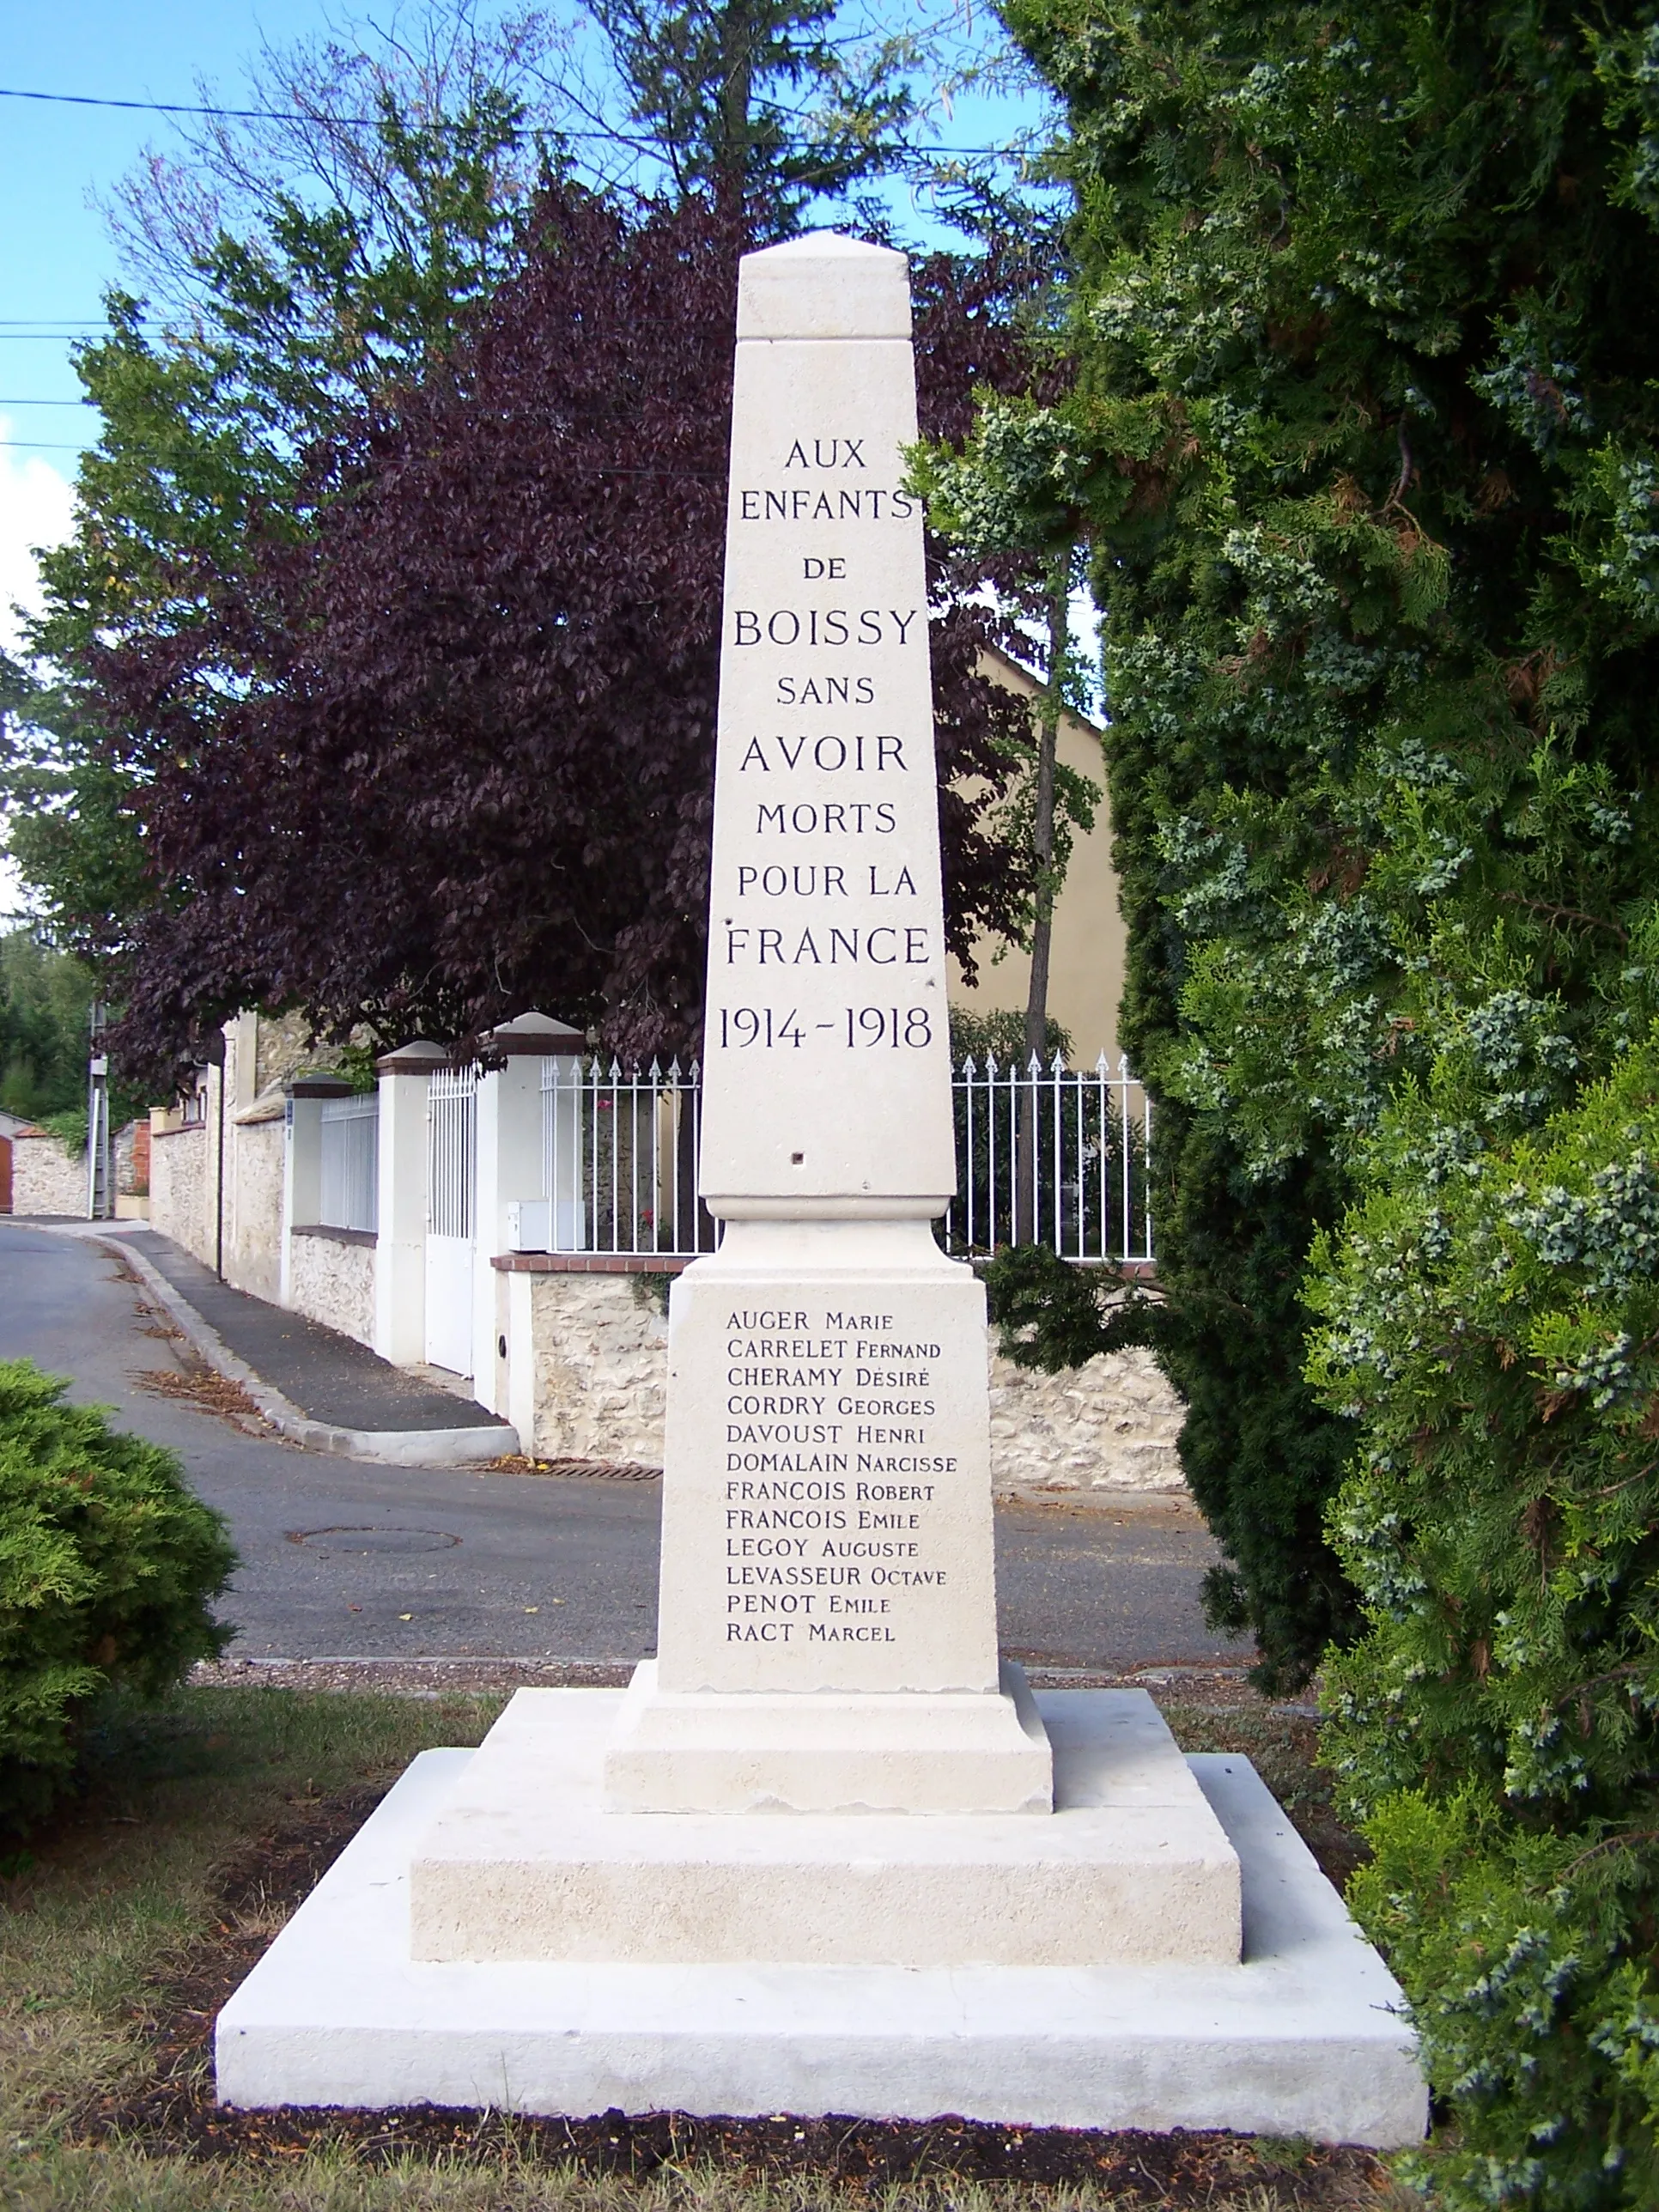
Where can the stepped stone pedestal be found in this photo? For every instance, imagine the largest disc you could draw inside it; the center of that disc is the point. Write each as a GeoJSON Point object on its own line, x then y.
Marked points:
{"type": "Point", "coordinates": [827, 1854]}
{"type": "Point", "coordinates": [525, 1861]}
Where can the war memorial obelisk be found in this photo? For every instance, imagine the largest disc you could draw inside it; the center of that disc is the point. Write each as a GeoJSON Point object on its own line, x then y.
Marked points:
{"type": "Point", "coordinates": [826, 1854]}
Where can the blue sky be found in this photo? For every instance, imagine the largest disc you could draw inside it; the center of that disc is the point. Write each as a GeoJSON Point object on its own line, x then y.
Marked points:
{"type": "Point", "coordinates": [56, 258]}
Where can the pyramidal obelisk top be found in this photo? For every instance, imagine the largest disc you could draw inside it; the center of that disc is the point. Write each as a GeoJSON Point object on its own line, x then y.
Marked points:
{"type": "Point", "coordinates": [827, 1053]}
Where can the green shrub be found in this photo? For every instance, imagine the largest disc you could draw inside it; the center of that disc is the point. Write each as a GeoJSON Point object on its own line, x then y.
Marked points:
{"type": "Point", "coordinates": [70, 1128]}
{"type": "Point", "coordinates": [1490, 1318]}
{"type": "Point", "coordinates": [107, 1564]}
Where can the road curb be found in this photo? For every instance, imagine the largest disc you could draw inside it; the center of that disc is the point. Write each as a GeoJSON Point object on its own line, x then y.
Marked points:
{"type": "Point", "coordinates": [390, 1447]}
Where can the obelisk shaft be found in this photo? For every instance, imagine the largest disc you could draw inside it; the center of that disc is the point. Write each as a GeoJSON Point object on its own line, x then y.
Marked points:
{"type": "Point", "coordinates": [826, 1062]}
{"type": "Point", "coordinates": [827, 1624]}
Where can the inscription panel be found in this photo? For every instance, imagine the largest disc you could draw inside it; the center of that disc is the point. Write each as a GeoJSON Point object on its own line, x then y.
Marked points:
{"type": "Point", "coordinates": [826, 1054]}
{"type": "Point", "coordinates": [828, 1523]}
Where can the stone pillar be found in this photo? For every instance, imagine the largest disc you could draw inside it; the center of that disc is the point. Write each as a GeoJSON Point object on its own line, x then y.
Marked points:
{"type": "Point", "coordinates": [400, 1236]}
{"type": "Point", "coordinates": [827, 1631]}
{"type": "Point", "coordinates": [510, 1170]}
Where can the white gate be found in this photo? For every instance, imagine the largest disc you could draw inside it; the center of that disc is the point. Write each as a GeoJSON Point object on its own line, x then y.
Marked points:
{"type": "Point", "coordinates": [451, 1171]}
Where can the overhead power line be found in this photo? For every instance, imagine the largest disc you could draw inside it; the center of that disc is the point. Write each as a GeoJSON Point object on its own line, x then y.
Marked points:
{"type": "Point", "coordinates": [371, 122]}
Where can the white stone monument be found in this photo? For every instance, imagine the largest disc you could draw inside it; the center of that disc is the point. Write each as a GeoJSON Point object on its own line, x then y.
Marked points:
{"type": "Point", "coordinates": [825, 1854]}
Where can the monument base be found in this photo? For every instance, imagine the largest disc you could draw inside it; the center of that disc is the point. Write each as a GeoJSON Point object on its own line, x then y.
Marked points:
{"type": "Point", "coordinates": [1304, 2037]}
{"type": "Point", "coordinates": [525, 1862]}
{"type": "Point", "coordinates": [878, 1752]}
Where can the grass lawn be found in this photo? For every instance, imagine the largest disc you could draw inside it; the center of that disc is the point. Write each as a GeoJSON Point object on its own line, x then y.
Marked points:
{"type": "Point", "coordinates": [127, 1922]}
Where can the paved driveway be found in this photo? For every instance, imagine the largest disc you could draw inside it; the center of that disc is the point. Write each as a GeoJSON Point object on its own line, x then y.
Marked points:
{"type": "Point", "coordinates": [342, 1558]}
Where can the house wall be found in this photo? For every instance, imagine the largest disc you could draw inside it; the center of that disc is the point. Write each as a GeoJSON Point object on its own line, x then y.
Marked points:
{"type": "Point", "coordinates": [45, 1177]}
{"type": "Point", "coordinates": [599, 1347]}
{"type": "Point", "coordinates": [1090, 942]}
{"type": "Point", "coordinates": [331, 1279]}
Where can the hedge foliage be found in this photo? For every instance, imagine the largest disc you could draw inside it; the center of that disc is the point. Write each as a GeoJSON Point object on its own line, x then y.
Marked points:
{"type": "Point", "coordinates": [1490, 1317]}
{"type": "Point", "coordinates": [108, 1565]}
{"type": "Point", "coordinates": [1365, 435]}
{"type": "Point", "coordinates": [1364, 441]}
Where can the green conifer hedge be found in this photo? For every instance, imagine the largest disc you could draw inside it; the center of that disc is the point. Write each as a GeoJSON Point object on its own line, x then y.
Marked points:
{"type": "Point", "coordinates": [1366, 434]}
{"type": "Point", "coordinates": [1490, 1318]}
{"type": "Point", "coordinates": [108, 1563]}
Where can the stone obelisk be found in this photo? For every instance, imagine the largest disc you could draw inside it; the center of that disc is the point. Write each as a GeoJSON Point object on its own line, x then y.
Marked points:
{"type": "Point", "coordinates": [824, 1856]}
{"type": "Point", "coordinates": [826, 1634]}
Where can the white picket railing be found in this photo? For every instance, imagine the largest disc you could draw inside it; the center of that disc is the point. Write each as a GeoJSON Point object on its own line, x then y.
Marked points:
{"type": "Point", "coordinates": [350, 1162]}
{"type": "Point", "coordinates": [1050, 1155]}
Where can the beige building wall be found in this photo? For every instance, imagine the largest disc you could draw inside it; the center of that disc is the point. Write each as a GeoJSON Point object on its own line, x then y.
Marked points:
{"type": "Point", "coordinates": [331, 1279]}
{"type": "Point", "coordinates": [1086, 961]}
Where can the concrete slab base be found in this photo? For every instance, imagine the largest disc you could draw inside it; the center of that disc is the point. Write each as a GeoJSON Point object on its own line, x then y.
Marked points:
{"type": "Point", "coordinates": [1305, 2037]}
{"type": "Point", "coordinates": [526, 1861]}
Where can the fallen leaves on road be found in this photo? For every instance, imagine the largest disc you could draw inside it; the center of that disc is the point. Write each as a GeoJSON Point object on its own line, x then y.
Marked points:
{"type": "Point", "coordinates": [211, 1392]}
{"type": "Point", "coordinates": [582, 1470]}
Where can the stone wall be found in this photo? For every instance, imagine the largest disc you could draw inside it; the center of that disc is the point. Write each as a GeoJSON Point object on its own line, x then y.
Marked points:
{"type": "Point", "coordinates": [253, 1201]}
{"type": "Point", "coordinates": [1110, 1425]}
{"type": "Point", "coordinates": [45, 1177]}
{"type": "Point", "coordinates": [179, 1189]}
{"type": "Point", "coordinates": [600, 1344]}
{"type": "Point", "coordinates": [331, 1279]}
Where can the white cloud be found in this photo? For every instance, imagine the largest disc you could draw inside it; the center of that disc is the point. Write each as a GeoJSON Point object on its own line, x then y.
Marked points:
{"type": "Point", "coordinates": [37, 507]}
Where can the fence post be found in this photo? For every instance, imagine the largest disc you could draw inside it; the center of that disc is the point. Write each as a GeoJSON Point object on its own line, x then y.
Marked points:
{"type": "Point", "coordinates": [509, 1170]}
{"type": "Point", "coordinates": [400, 1232]}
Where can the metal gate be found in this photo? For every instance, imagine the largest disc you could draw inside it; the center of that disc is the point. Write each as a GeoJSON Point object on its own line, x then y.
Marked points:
{"type": "Point", "coordinates": [452, 1169]}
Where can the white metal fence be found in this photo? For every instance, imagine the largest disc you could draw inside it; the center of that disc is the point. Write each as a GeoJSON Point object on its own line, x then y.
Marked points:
{"type": "Point", "coordinates": [619, 1154]}
{"type": "Point", "coordinates": [1052, 1155]}
{"type": "Point", "coordinates": [451, 1146]}
{"type": "Point", "coordinates": [350, 1162]}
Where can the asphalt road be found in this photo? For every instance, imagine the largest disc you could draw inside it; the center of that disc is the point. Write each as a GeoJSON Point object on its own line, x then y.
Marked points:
{"type": "Point", "coordinates": [341, 1558]}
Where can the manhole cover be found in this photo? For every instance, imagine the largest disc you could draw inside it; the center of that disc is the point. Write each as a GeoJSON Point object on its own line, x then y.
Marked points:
{"type": "Point", "coordinates": [364, 1540]}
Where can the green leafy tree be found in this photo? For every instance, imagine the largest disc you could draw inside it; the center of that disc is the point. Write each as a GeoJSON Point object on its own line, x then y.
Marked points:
{"type": "Point", "coordinates": [45, 998]}
{"type": "Point", "coordinates": [1489, 1316]}
{"type": "Point", "coordinates": [66, 809]}
{"type": "Point", "coordinates": [766, 106]}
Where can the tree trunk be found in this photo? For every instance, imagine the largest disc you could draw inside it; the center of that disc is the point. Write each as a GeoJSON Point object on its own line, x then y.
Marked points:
{"type": "Point", "coordinates": [1027, 1227]}
{"type": "Point", "coordinates": [737, 29]}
